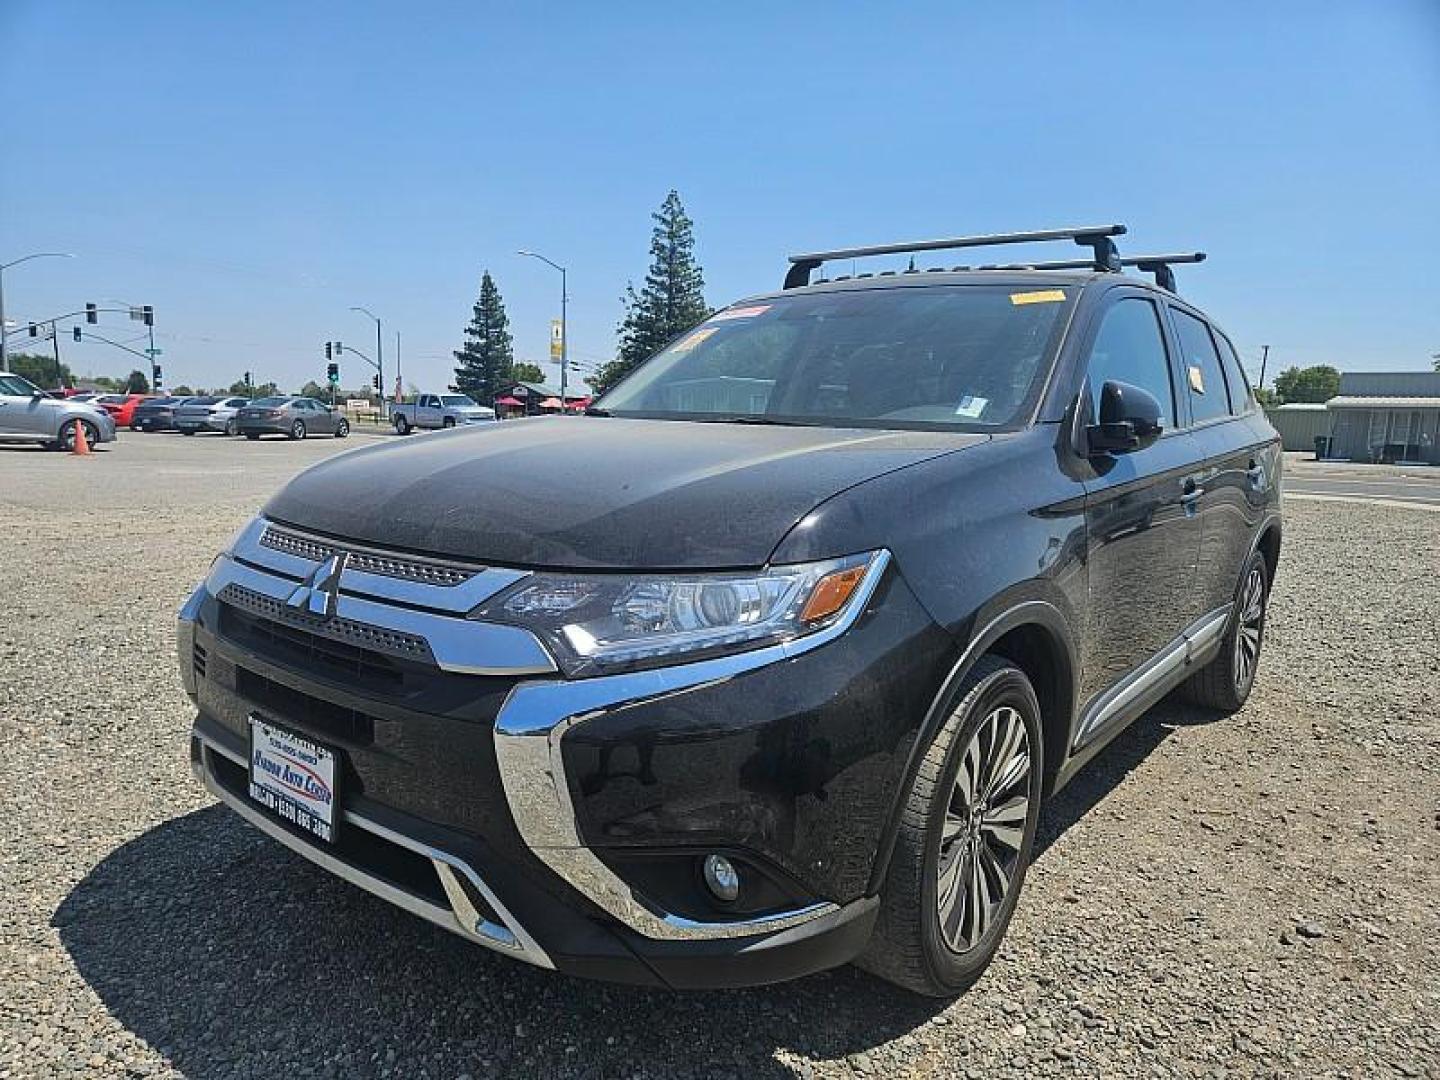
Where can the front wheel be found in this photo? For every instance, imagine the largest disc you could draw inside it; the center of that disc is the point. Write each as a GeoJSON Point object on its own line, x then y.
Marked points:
{"type": "Point", "coordinates": [342, 429]}
{"type": "Point", "coordinates": [187, 431]}
{"type": "Point", "coordinates": [297, 429]}
{"type": "Point", "coordinates": [402, 426]}
{"type": "Point", "coordinates": [253, 436]}
{"type": "Point", "coordinates": [67, 435]}
{"type": "Point", "coordinates": [232, 426]}
{"type": "Point", "coordinates": [1225, 683]}
{"type": "Point", "coordinates": [965, 836]}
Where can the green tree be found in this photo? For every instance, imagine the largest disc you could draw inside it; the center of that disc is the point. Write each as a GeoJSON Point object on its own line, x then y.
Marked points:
{"type": "Point", "coordinates": [523, 372]}
{"type": "Point", "coordinates": [105, 382]}
{"type": "Point", "coordinates": [184, 391]}
{"type": "Point", "coordinates": [487, 357]}
{"type": "Point", "coordinates": [1268, 398]}
{"type": "Point", "coordinates": [136, 383]}
{"type": "Point", "coordinates": [672, 300]}
{"type": "Point", "coordinates": [41, 370]}
{"type": "Point", "coordinates": [1318, 383]}
{"type": "Point", "coordinates": [312, 389]}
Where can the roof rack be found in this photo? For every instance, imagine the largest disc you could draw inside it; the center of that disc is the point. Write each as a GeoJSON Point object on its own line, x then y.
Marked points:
{"type": "Point", "coordinates": [1106, 257]}
{"type": "Point", "coordinates": [1095, 237]}
{"type": "Point", "coordinates": [1159, 265]}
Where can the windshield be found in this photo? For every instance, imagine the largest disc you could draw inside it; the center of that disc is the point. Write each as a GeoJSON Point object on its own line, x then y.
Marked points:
{"type": "Point", "coordinates": [457, 401]}
{"type": "Point", "coordinates": [269, 402]}
{"type": "Point", "coordinates": [961, 356]}
{"type": "Point", "coordinates": [201, 400]}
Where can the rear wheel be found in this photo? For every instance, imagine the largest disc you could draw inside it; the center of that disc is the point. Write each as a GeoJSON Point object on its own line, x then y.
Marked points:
{"type": "Point", "coordinates": [187, 431]}
{"type": "Point", "coordinates": [965, 837]}
{"type": "Point", "coordinates": [252, 435]}
{"type": "Point", "coordinates": [449, 421]}
{"type": "Point", "coordinates": [297, 429]}
{"type": "Point", "coordinates": [1225, 683]}
{"type": "Point", "coordinates": [402, 426]}
{"type": "Point", "coordinates": [232, 426]}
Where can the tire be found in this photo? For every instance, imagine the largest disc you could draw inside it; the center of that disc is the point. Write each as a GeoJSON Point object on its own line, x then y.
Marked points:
{"type": "Point", "coordinates": [448, 422]}
{"type": "Point", "coordinates": [342, 429]}
{"type": "Point", "coordinates": [918, 944]}
{"type": "Point", "coordinates": [1225, 682]}
{"type": "Point", "coordinates": [187, 431]}
{"type": "Point", "coordinates": [297, 429]}
{"type": "Point", "coordinates": [66, 441]}
{"type": "Point", "coordinates": [252, 435]}
{"type": "Point", "coordinates": [232, 426]}
{"type": "Point", "coordinates": [134, 427]}
{"type": "Point", "coordinates": [402, 426]}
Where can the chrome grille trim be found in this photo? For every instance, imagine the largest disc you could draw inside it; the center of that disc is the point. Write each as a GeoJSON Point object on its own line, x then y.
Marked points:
{"type": "Point", "coordinates": [378, 639]}
{"type": "Point", "coordinates": [405, 568]}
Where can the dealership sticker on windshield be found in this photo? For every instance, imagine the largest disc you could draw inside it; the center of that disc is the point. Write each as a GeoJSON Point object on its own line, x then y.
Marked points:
{"type": "Point", "coordinates": [741, 313]}
{"type": "Point", "coordinates": [684, 345]}
{"type": "Point", "coordinates": [293, 778]}
{"type": "Point", "coordinates": [1042, 296]}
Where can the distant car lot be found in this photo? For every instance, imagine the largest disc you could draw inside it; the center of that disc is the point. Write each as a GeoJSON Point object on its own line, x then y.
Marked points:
{"type": "Point", "coordinates": [1131, 959]}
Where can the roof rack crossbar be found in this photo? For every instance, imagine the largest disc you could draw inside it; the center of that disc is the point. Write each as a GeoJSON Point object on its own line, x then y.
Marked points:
{"type": "Point", "coordinates": [1096, 237]}
{"type": "Point", "coordinates": [1159, 265]}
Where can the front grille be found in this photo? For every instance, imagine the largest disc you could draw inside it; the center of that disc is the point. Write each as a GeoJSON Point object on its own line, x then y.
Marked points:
{"type": "Point", "coordinates": [324, 718]}
{"type": "Point", "coordinates": [419, 571]}
{"type": "Point", "coordinates": [370, 638]}
{"type": "Point", "coordinates": [301, 650]}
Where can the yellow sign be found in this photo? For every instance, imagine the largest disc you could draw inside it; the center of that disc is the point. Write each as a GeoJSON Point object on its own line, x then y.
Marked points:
{"type": "Point", "coordinates": [557, 339]}
{"type": "Point", "coordinates": [1043, 296]}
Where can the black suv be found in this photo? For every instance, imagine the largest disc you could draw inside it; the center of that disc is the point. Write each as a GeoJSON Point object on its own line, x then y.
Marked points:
{"type": "Point", "coordinates": [767, 664]}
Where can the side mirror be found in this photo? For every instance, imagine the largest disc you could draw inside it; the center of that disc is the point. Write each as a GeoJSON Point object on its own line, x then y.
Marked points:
{"type": "Point", "coordinates": [1129, 420]}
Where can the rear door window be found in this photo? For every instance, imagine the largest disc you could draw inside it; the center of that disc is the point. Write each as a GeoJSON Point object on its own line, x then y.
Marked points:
{"type": "Point", "coordinates": [1130, 348]}
{"type": "Point", "coordinates": [1242, 398]}
{"type": "Point", "coordinates": [1200, 362]}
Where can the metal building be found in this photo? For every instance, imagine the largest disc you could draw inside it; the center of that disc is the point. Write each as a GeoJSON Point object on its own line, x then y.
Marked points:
{"type": "Point", "coordinates": [1386, 416]}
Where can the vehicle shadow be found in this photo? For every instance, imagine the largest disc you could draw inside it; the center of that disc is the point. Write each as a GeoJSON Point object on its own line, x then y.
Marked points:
{"type": "Point", "coordinates": [225, 952]}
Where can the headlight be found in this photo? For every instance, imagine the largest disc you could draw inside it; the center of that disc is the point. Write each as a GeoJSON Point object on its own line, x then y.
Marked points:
{"type": "Point", "coordinates": [602, 623]}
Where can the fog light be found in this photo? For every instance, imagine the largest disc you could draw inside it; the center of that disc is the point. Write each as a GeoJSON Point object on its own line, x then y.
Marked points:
{"type": "Point", "coordinates": [722, 878]}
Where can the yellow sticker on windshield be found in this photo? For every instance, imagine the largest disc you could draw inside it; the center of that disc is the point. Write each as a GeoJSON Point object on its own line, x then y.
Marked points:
{"type": "Point", "coordinates": [1043, 296]}
{"type": "Point", "coordinates": [684, 345]}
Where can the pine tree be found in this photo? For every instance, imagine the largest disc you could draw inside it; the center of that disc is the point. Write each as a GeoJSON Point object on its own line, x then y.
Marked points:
{"type": "Point", "coordinates": [488, 353]}
{"type": "Point", "coordinates": [672, 301]}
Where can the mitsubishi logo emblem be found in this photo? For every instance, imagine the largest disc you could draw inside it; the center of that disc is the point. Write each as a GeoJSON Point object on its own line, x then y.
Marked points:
{"type": "Point", "coordinates": [320, 592]}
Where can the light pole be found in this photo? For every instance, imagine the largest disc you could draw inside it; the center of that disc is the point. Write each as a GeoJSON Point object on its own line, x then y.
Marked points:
{"type": "Point", "coordinates": [564, 330]}
{"type": "Point", "coordinates": [4, 330]}
{"type": "Point", "coordinates": [379, 355]}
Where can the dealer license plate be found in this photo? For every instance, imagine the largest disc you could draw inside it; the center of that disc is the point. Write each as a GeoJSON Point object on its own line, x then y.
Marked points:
{"type": "Point", "coordinates": [293, 778]}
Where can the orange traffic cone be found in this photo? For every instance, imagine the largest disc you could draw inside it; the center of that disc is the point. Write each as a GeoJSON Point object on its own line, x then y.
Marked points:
{"type": "Point", "coordinates": [80, 444]}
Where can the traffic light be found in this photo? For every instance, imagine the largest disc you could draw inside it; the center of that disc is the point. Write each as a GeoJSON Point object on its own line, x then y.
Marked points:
{"type": "Point", "coordinates": [92, 315]}
{"type": "Point", "coordinates": [77, 332]}
{"type": "Point", "coordinates": [156, 376]}
{"type": "Point", "coordinates": [375, 381]}
{"type": "Point", "coordinates": [148, 315]}
{"type": "Point", "coordinates": [339, 348]}
{"type": "Point", "coordinates": [332, 372]}
{"type": "Point", "coordinates": [247, 379]}
{"type": "Point", "coordinates": [329, 350]}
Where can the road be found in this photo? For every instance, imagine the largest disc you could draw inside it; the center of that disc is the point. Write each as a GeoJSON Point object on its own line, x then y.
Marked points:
{"type": "Point", "coordinates": [1353, 482]}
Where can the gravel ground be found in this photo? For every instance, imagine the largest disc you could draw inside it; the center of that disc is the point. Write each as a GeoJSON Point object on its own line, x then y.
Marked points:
{"type": "Point", "coordinates": [1258, 895]}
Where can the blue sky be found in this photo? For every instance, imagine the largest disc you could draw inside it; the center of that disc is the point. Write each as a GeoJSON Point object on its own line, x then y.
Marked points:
{"type": "Point", "coordinates": [254, 170]}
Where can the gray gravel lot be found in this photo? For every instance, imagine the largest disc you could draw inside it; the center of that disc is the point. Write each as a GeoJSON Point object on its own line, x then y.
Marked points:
{"type": "Point", "coordinates": [1258, 895]}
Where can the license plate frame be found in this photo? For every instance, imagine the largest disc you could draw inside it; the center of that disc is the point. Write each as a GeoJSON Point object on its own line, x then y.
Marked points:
{"type": "Point", "coordinates": [294, 778]}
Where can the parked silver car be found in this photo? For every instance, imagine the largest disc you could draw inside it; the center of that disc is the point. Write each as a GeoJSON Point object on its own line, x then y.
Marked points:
{"type": "Point", "coordinates": [438, 411]}
{"type": "Point", "coordinates": [210, 414]}
{"type": "Point", "coordinates": [295, 417]}
{"type": "Point", "coordinates": [28, 414]}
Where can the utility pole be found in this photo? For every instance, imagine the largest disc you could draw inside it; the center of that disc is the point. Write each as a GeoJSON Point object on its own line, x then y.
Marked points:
{"type": "Point", "coordinates": [1264, 359]}
{"type": "Point", "coordinates": [399, 386]}
{"type": "Point", "coordinates": [5, 330]}
{"type": "Point", "coordinates": [379, 355]}
{"type": "Point", "coordinates": [564, 330]}
{"type": "Point", "coordinates": [55, 343]}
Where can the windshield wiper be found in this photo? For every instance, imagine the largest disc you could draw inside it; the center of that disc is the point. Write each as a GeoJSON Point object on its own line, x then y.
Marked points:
{"type": "Point", "coordinates": [590, 410]}
{"type": "Point", "coordinates": [750, 419]}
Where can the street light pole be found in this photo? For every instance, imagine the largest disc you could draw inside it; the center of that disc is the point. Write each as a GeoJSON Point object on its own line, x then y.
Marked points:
{"type": "Point", "coordinates": [5, 330]}
{"type": "Point", "coordinates": [564, 329]}
{"type": "Point", "coordinates": [379, 355]}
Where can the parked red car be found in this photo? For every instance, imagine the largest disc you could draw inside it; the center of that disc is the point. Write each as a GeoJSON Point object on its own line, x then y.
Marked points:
{"type": "Point", "coordinates": [121, 406]}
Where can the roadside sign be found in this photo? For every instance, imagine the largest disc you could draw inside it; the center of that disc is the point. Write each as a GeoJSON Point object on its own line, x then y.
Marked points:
{"type": "Point", "coordinates": [154, 352]}
{"type": "Point", "coordinates": [557, 339]}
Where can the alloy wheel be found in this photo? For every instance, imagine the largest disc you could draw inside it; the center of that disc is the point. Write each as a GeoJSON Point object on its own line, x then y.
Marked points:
{"type": "Point", "coordinates": [1250, 629]}
{"type": "Point", "coordinates": [984, 828]}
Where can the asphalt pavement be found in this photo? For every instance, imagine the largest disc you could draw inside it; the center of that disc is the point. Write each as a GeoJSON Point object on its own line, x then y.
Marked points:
{"type": "Point", "coordinates": [1327, 480]}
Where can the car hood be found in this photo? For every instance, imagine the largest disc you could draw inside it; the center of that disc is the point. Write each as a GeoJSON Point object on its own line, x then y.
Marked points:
{"type": "Point", "coordinates": [598, 493]}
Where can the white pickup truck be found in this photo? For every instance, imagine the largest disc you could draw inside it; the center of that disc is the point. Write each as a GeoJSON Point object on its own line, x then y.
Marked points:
{"type": "Point", "coordinates": [438, 411]}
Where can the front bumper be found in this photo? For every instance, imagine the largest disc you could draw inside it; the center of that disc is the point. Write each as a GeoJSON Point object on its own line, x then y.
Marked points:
{"type": "Point", "coordinates": [201, 423]}
{"type": "Point", "coordinates": [568, 812]}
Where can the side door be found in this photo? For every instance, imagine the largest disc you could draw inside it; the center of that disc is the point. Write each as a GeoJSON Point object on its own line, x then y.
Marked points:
{"type": "Point", "coordinates": [324, 418]}
{"type": "Point", "coordinates": [1240, 466]}
{"type": "Point", "coordinates": [428, 411]}
{"type": "Point", "coordinates": [22, 415]}
{"type": "Point", "coordinates": [1143, 535]}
